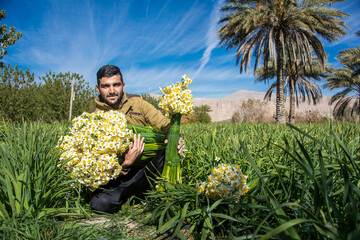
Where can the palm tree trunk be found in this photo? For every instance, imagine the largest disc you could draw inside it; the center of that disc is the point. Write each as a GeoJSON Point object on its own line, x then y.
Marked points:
{"type": "Point", "coordinates": [292, 101]}
{"type": "Point", "coordinates": [280, 101]}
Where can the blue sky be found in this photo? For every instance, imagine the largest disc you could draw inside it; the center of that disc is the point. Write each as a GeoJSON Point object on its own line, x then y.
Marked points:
{"type": "Point", "coordinates": [154, 42]}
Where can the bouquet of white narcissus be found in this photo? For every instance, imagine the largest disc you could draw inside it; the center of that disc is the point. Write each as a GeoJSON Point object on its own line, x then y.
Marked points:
{"type": "Point", "coordinates": [94, 147]}
{"type": "Point", "coordinates": [176, 98]}
{"type": "Point", "coordinates": [225, 181]}
{"type": "Point", "coordinates": [176, 101]}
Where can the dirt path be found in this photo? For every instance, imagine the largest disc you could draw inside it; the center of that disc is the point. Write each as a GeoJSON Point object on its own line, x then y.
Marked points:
{"type": "Point", "coordinates": [132, 229]}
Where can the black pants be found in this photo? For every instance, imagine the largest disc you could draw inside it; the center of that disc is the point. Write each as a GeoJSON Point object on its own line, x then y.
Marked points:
{"type": "Point", "coordinates": [109, 198]}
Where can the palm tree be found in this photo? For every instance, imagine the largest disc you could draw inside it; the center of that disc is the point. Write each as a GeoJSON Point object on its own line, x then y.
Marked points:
{"type": "Point", "coordinates": [348, 79]}
{"type": "Point", "coordinates": [299, 82]}
{"type": "Point", "coordinates": [275, 29]}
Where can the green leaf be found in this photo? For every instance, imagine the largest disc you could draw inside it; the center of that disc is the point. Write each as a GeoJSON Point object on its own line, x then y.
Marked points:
{"type": "Point", "coordinates": [224, 216]}
{"type": "Point", "coordinates": [284, 227]}
{"type": "Point", "coordinates": [169, 224]}
{"type": "Point", "coordinates": [214, 205]}
{"type": "Point", "coordinates": [181, 219]}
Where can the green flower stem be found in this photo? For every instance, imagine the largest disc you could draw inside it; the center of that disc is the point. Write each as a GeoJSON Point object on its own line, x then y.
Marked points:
{"type": "Point", "coordinates": [154, 142]}
{"type": "Point", "coordinates": [172, 171]}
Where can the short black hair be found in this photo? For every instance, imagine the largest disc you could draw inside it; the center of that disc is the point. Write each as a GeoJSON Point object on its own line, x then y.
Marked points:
{"type": "Point", "coordinates": [108, 71]}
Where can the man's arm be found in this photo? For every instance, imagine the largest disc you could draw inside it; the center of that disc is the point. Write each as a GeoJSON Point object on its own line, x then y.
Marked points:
{"type": "Point", "coordinates": [154, 117]}
{"type": "Point", "coordinates": [157, 120]}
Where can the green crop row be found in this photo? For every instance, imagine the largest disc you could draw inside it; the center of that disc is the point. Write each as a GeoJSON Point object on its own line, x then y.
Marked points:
{"type": "Point", "coordinates": [303, 179]}
{"type": "Point", "coordinates": [34, 191]}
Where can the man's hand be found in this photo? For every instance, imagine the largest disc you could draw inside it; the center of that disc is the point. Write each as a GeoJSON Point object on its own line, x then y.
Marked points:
{"type": "Point", "coordinates": [180, 145]}
{"type": "Point", "coordinates": [135, 150]}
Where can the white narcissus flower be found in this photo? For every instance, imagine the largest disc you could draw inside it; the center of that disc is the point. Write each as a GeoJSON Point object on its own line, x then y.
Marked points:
{"type": "Point", "coordinates": [92, 147]}
{"type": "Point", "coordinates": [176, 98]}
{"type": "Point", "coordinates": [225, 181]}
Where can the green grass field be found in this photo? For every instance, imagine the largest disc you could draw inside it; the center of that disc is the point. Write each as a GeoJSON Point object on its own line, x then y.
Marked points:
{"type": "Point", "coordinates": [303, 180]}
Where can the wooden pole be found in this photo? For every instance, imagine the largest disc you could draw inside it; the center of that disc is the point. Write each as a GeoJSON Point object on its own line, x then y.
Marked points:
{"type": "Point", "coordinates": [71, 97]}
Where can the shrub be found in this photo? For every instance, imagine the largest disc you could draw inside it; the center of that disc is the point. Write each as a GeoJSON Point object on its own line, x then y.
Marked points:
{"type": "Point", "coordinates": [253, 111]}
{"type": "Point", "coordinates": [310, 116]}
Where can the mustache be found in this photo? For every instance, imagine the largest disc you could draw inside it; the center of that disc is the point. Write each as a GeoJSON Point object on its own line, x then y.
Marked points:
{"type": "Point", "coordinates": [112, 95]}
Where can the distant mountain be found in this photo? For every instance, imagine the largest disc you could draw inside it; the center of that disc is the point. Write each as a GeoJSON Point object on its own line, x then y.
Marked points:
{"type": "Point", "coordinates": [241, 94]}
{"type": "Point", "coordinates": [245, 94]}
{"type": "Point", "coordinates": [223, 108]}
{"type": "Point", "coordinates": [154, 95]}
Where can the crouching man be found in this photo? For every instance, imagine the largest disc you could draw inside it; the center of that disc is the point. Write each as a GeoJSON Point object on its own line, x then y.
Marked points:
{"type": "Point", "coordinates": [132, 181]}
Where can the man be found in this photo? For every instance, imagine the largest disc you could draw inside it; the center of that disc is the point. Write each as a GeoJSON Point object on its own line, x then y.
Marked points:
{"type": "Point", "coordinates": [132, 181]}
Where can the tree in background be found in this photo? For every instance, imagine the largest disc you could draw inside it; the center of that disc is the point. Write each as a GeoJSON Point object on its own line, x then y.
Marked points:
{"type": "Point", "coordinates": [347, 79]}
{"type": "Point", "coordinates": [18, 95]}
{"type": "Point", "coordinates": [300, 82]}
{"type": "Point", "coordinates": [54, 95]}
{"type": "Point", "coordinates": [279, 29]}
{"type": "Point", "coordinates": [154, 101]}
{"type": "Point", "coordinates": [21, 98]}
{"type": "Point", "coordinates": [6, 38]}
{"type": "Point", "coordinates": [200, 114]}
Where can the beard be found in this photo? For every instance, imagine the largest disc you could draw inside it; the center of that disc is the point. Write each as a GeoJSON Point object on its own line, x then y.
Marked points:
{"type": "Point", "coordinates": [114, 104]}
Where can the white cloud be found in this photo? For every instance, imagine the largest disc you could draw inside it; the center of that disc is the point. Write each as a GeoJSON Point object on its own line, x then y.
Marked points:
{"type": "Point", "coordinates": [148, 80]}
{"type": "Point", "coordinates": [211, 37]}
{"type": "Point", "coordinates": [214, 82]}
{"type": "Point", "coordinates": [178, 35]}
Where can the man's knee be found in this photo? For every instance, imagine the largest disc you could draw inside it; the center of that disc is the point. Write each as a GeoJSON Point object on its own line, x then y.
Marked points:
{"type": "Point", "coordinates": [103, 204]}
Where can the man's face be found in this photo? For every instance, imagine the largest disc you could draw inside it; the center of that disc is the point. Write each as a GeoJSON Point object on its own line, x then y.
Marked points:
{"type": "Point", "coordinates": [111, 89]}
